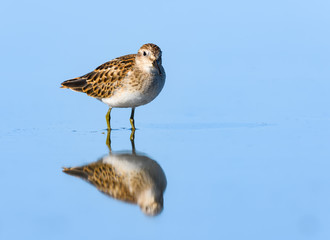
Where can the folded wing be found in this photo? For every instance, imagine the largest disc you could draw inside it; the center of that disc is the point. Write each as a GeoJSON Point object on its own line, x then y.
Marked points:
{"type": "Point", "coordinates": [105, 79]}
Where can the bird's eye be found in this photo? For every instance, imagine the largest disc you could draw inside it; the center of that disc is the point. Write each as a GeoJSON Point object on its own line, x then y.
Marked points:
{"type": "Point", "coordinates": [144, 53]}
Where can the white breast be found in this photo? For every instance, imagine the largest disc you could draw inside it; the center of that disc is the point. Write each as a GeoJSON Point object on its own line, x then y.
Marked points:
{"type": "Point", "coordinates": [125, 99]}
{"type": "Point", "coordinates": [129, 97]}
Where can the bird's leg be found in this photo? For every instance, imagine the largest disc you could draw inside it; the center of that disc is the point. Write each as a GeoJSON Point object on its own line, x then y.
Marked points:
{"type": "Point", "coordinates": [133, 146]}
{"type": "Point", "coordinates": [132, 137]}
{"type": "Point", "coordinates": [108, 141]}
{"type": "Point", "coordinates": [108, 117]}
{"type": "Point", "coordinates": [132, 124]}
{"type": "Point", "coordinates": [132, 119]}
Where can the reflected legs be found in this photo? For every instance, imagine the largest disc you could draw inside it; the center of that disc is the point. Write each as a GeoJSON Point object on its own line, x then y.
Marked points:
{"type": "Point", "coordinates": [108, 141]}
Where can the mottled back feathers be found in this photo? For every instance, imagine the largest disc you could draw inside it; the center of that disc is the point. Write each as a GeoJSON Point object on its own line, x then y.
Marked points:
{"type": "Point", "coordinates": [105, 79]}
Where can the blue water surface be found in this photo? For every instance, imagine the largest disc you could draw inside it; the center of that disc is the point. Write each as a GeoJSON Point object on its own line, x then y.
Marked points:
{"type": "Point", "coordinates": [241, 128]}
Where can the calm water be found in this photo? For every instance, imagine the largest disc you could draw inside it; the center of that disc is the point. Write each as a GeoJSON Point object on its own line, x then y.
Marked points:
{"type": "Point", "coordinates": [241, 129]}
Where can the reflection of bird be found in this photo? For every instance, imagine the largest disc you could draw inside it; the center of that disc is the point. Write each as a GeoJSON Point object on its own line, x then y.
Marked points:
{"type": "Point", "coordinates": [128, 177]}
{"type": "Point", "coordinates": [124, 82]}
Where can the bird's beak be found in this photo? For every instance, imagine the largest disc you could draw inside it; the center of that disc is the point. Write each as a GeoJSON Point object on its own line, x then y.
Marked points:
{"type": "Point", "coordinates": [155, 64]}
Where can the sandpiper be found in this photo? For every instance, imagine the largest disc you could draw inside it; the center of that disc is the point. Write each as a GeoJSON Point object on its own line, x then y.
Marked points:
{"type": "Point", "coordinates": [124, 82]}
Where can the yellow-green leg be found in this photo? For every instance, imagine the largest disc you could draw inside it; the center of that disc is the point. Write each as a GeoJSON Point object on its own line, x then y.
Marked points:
{"type": "Point", "coordinates": [132, 124]}
{"type": "Point", "coordinates": [133, 147]}
{"type": "Point", "coordinates": [132, 137]}
{"type": "Point", "coordinates": [132, 119]}
{"type": "Point", "coordinates": [108, 117]}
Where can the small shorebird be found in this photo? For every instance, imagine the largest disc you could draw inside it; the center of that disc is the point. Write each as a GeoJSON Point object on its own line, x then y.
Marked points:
{"type": "Point", "coordinates": [133, 178]}
{"type": "Point", "coordinates": [124, 82]}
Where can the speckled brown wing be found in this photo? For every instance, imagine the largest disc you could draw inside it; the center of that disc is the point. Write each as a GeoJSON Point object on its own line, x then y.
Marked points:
{"type": "Point", "coordinates": [105, 79]}
{"type": "Point", "coordinates": [105, 178]}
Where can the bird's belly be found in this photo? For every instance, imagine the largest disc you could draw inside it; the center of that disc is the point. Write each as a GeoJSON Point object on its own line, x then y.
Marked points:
{"type": "Point", "coordinates": [128, 99]}
{"type": "Point", "coordinates": [131, 96]}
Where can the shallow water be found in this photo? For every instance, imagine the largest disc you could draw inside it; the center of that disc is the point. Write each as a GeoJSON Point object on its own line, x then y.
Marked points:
{"type": "Point", "coordinates": [241, 128]}
{"type": "Point", "coordinates": [270, 180]}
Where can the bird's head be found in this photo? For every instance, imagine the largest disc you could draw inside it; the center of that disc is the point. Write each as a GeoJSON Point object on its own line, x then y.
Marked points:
{"type": "Point", "coordinates": [149, 58]}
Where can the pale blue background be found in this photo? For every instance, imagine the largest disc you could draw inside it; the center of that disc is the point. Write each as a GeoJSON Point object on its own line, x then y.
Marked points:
{"type": "Point", "coordinates": [241, 129]}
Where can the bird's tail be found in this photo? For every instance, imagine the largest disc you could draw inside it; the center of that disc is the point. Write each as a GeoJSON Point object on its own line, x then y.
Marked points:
{"type": "Point", "coordinates": [77, 172]}
{"type": "Point", "coordinates": [76, 84]}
